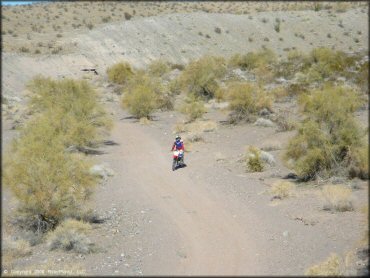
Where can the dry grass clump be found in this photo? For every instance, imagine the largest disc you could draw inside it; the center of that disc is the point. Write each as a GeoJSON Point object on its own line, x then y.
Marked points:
{"type": "Point", "coordinates": [337, 197]}
{"type": "Point", "coordinates": [282, 189]}
{"type": "Point", "coordinates": [202, 126]}
{"type": "Point", "coordinates": [285, 122]}
{"type": "Point", "coordinates": [254, 160]}
{"type": "Point", "coordinates": [120, 73]}
{"type": "Point", "coordinates": [16, 248]}
{"type": "Point", "coordinates": [70, 235]}
{"type": "Point", "coordinates": [13, 249]}
{"type": "Point", "coordinates": [332, 266]}
{"type": "Point", "coordinates": [328, 135]}
{"type": "Point", "coordinates": [247, 99]}
{"type": "Point", "coordinates": [200, 77]}
{"type": "Point", "coordinates": [193, 108]}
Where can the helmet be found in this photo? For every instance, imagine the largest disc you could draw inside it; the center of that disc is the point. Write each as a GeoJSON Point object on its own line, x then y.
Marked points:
{"type": "Point", "coordinates": [178, 138]}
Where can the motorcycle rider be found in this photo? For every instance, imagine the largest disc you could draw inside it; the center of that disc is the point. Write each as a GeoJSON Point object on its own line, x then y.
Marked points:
{"type": "Point", "coordinates": [178, 145]}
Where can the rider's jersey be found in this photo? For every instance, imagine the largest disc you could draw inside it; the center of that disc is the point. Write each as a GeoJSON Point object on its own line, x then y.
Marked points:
{"type": "Point", "coordinates": [178, 145]}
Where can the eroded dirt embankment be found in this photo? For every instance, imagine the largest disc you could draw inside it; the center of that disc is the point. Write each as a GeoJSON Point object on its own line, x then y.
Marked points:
{"type": "Point", "coordinates": [179, 38]}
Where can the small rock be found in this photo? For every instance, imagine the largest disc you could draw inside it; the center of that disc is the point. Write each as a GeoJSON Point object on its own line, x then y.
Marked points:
{"type": "Point", "coordinates": [268, 158]}
{"type": "Point", "coordinates": [264, 122]}
{"type": "Point", "coordinates": [285, 233]}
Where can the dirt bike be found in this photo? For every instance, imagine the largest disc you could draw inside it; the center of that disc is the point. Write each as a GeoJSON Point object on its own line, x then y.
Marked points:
{"type": "Point", "coordinates": [178, 159]}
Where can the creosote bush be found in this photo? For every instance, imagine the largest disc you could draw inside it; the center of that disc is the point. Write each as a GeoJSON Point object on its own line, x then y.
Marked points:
{"type": "Point", "coordinates": [246, 100]}
{"type": "Point", "coordinates": [120, 73]}
{"type": "Point", "coordinates": [252, 60]}
{"type": "Point", "coordinates": [158, 68]}
{"type": "Point", "coordinates": [72, 109]}
{"type": "Point", "coordinates": [200, 77]}
{"type": "Point", "coordinates": [146, 93]}
{"type": "Point", "coordinates": [328, 135]}
{"type": "Point", "coordinates": [193, 108]}
{"type": "Point", "coordinates": [47, 181]}
{"type": "Point", "coordinates": [140, 98]}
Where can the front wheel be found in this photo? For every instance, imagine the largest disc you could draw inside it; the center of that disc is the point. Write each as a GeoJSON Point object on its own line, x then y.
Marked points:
{"type": "Point", "coordinates": [174, 164]}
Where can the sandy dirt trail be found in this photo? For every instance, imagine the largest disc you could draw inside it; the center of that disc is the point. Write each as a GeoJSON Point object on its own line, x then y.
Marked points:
{"type": "Point", "coordinates": [213, 241]}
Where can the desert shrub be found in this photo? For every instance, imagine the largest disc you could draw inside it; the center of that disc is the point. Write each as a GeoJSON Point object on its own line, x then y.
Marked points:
{"type": "Point", "coordinates": [127, 16]}
{"type": "Point", "coordinates": [24, 49]}
{"type": "Point", "coordinates": [245, 99]}
{"type": "Point", "coordinates": [329, 62]}
{"type": "Point", "coordinates": [295, 62]}
{"type": "Point", "coordinates": [200, 77]}
{"type": "Point", "coordinates": [327, 134]}
{"type": "Point", "coordinates": [140, 98]}
{"type": "Point", "coordinates": [253, 60]}
{"type": "Point", "coordinates": [285, 122]}
{"type": "Point", "coordinates": [70, 235]}
{"type": "Point", "coordinates": [277, 25]}
{"type": "Point", "coordinates": [48, 182]}
{"type": "Point", "coordinates": [71, 107]}
{"type": "Point", "coordinates": [331, 267]}
{"type": "Point", "coordinates": [218, 30]}
{"type": "Point", "coordinates": [174, 87]}
{"type": "Point", "coordinates": [337, 197]}
{"type": "Point", "coordinates": [158, 68]}
{"type": "Point", "coordinates": [120, 73]}
{"type": "Point", "coordinates": [359, 161]}
{"type": "Point", "coordinates": [362, 77]}
{"type": "Point", "coordinates": [193, 108]}
{"type": "Point", "coordinates": [282, 189]}
{"type": "Point", "coordinates": [253, 159]}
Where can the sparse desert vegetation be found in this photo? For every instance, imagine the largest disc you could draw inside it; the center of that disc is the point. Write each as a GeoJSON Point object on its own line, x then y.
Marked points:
{"type": "Point", "coordinates": [292, 86]}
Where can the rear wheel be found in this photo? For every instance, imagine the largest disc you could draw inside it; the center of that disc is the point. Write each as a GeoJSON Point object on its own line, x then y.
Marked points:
{"type": "Point", "coordinates": [174, 164]}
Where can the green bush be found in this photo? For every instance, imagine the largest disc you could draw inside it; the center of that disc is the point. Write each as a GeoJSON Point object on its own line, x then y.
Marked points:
{"type": "Point", "coordinates": [120, 73]}
{"type": "Point", "coordinates": [245, 99]}
{"type": "Point", "coordinates": [48, 182]}
{"type": "Point", "coordinates": [200, 77]}
{"type": "Point", "coordinates": [193, 108]}
{"type": "Point", "coordinates": [327, 135]}
{"type": "Point", "coordinates": [72, 108]}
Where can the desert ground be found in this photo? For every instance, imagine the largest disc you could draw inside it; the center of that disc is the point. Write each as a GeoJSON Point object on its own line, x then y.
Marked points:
{"type": "Point", "coordinates": [211, 217]}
